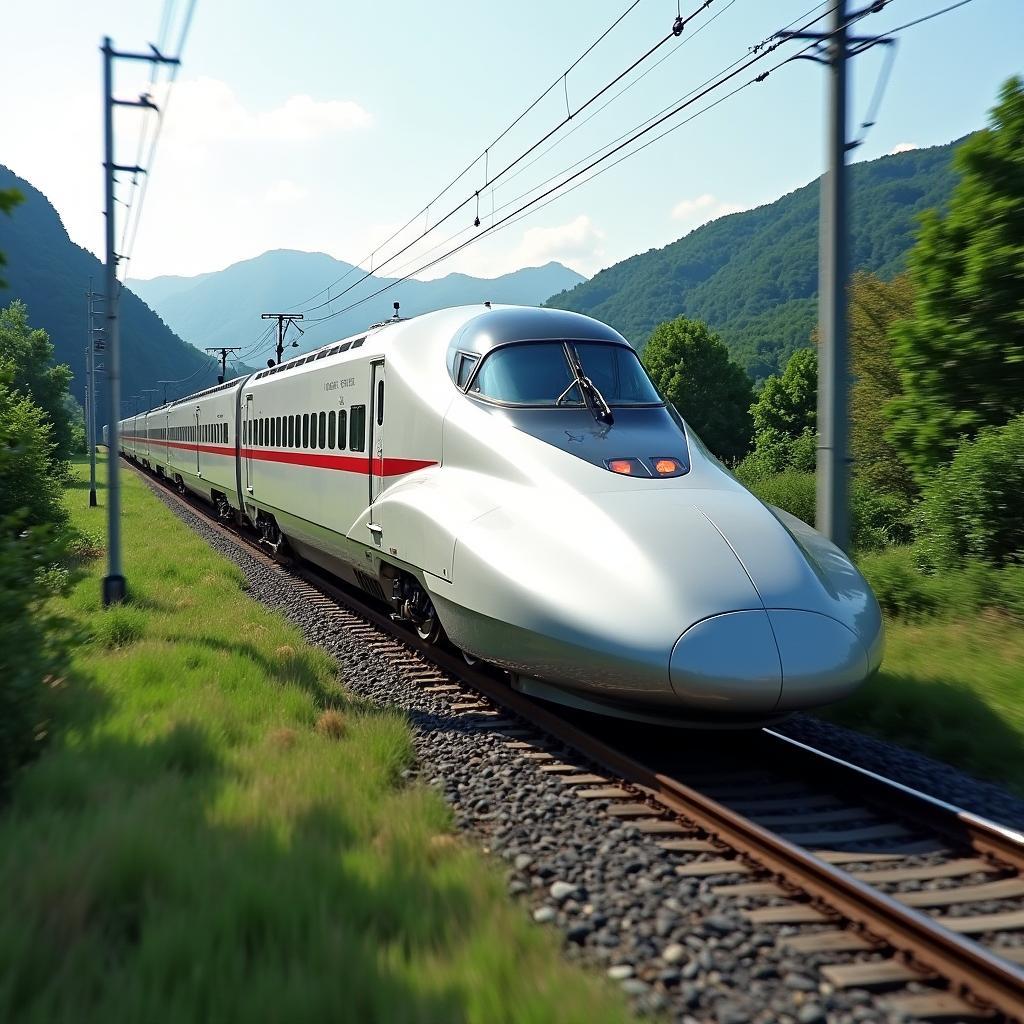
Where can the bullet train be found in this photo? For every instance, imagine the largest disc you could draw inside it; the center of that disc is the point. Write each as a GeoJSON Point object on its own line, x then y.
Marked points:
{"type": "Point", "coordinates": [510, 478]}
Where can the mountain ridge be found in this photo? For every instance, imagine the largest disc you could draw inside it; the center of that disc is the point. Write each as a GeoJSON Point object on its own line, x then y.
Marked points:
{"type": "Point", "coordinates": [753, 275]}
{"type": "Point", "coordinates": [223, 307]}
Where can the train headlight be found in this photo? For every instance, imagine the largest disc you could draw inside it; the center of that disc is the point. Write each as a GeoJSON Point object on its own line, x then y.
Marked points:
{"type": "Point", "coordinates": [627, 467]}
{"type": "Point", "coordinates": [667, 466]}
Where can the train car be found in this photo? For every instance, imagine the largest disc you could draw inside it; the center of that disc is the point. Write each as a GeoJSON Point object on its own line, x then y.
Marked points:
{"type": "Point", "coordinates": [511, 478]}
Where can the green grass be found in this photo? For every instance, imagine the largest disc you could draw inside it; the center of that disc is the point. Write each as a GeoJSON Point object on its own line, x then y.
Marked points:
{"type": "Point", "coordinates": [217, 832]}
{"type": "Point", "coordinates": [952, 681]}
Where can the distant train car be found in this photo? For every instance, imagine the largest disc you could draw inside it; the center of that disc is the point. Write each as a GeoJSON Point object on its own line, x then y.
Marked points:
{"type": "Point", "coordinates": [511, 478]}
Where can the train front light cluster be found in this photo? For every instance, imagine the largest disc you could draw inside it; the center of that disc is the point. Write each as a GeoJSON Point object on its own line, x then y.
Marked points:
{"type": "Point", "coordinates": [661, 465]}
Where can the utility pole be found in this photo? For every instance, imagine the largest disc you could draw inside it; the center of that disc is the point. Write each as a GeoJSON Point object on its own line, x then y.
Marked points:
{"type": "Point", "coordinates": [113, 582]}
{"type": "Point", "coordinates": [223, 353]}
{"type": "Point", "coordinates": [165, 383]}
{"type": "Point", "coordinates": [92, 345]}
{"type": "Point", "coordinates": [833, 476]}
{"type": "Point", "coordinates": [148, 391]}
{"type": "Point", "coordinates": [833, 48]}
{"type": "Point", "coordinates": [284, 321]}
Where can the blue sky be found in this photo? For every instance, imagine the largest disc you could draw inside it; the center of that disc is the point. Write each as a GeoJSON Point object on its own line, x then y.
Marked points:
{"type": "Point", "coordinates": [324, 126]}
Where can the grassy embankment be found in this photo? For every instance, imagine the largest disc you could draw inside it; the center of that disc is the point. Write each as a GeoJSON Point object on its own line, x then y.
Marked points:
{"type": "Point", "coordinates": [952, 682]}
{"type": "Point", "coordinates": [218, 832]}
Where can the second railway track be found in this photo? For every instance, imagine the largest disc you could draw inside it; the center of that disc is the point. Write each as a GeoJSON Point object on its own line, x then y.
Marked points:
{"type": "Point", "coordinates": [883, 888]}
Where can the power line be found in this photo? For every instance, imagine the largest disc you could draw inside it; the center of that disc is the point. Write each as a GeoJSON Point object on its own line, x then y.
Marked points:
{"type": "Point", "coordinates": [481, 155]}
{"type": "Point", "coordinates": [758, 53]}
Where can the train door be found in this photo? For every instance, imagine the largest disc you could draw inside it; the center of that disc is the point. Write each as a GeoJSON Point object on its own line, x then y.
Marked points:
{"type": "Point", "coordinates": [198, 432]}
{"type": "Point", "coordinates": [376, 429]}
{"type": "Point", "coordinates": [247, 430]}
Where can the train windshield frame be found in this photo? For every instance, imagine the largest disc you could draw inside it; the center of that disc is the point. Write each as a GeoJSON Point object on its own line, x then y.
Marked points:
{"type": "Point", "coordinates": [539, 375]}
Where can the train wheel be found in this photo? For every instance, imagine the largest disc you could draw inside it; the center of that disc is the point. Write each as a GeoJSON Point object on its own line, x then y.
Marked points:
{"type": "Point", "coordinates": [428, 625]}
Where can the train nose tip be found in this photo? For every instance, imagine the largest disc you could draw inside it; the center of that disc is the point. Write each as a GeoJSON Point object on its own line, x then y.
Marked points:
{"type": "Point", "coordinates": [758, 661]}
{"type": "Point", "coordinates": [728, 662]}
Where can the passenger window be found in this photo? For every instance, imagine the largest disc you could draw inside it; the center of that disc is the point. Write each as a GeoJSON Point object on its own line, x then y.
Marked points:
{"type": "Point", "coordinates": [312, 430]}
{"type": "Point", "coordinates": [466, 366]}
{"type": "Point", "coordinates": [342, 428]}
{"type": "Point", "coordinates": [380, 402]}
{"type": "Point", "coordinates": [291, 431]}
{"type": "Point", "coordinates": [331, 428]}
{"type": "Point", "coordinates": [323, 430]}
{"type": "Point", "coordinates": [357, 429]}
{"type": "Point", "coordinates": [305, 430]}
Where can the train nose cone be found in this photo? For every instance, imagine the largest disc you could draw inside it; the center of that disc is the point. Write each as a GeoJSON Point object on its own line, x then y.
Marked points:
{"type": "Point", "coordinates": [822, 660]}
{"type": "Point", "coordinates": [728, 663]}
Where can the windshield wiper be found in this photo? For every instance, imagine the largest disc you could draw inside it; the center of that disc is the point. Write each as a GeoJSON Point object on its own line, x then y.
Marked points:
{"type": "Point", "coordinates": [591, 393]}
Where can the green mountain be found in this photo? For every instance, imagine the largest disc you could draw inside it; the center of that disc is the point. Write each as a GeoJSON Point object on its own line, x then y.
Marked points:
{"type": "Point", "coordinates": [223, 308]}
{"type": "Point", "coordinates": [753, 276]}
{"type": "Point", "coordinates": [47, 271]}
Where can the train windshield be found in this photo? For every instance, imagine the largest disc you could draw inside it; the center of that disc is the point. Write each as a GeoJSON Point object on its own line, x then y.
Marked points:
{"type": "Point", "coordinates": [539, 373]}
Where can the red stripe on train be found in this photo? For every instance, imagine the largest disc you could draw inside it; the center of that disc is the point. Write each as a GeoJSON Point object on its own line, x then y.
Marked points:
{"type": "Point", "coordinates": [338, 463]}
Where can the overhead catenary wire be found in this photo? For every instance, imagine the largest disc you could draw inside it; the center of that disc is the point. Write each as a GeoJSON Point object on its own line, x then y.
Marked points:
{"type": "Point", "coordinates": [126, 255]}
{"type": "Point", "coordinates": [492, 179]}
{"type": "Point", "coordinates": [758, 53]}
{"type": "Point", "coordinates": [425, 210]}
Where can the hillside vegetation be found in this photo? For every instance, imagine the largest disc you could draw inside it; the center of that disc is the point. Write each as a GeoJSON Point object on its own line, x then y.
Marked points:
{"type": "Point", "coordinates": [753, 276]}
{"type": "Point", "coordinates": [50, 274]}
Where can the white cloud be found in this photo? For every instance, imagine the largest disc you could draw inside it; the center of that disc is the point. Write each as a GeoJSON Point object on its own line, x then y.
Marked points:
{"type": "Point", "coordinates": [903, 147]}
{"type": "Point", "coordinates": [577, 243]}
{"type": "Point", "coordinates": [207, 110]}
{"type": "Point", "coordinates": [701, 209]}
{"type": "Point", "coordinates": [285, 192]}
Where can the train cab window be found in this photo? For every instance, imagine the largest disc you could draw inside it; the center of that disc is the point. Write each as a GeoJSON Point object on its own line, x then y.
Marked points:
{"type": "Point", "coordinates": [357, 428]}
{"type": "Point", "coordinates": [322, 434]}
{"type": "Point", "coordinates": [331, 429]}
{"type": "Point", "coordinates": [380, 402]}
{"type": "Point", "coordinates": [305, 430]}
{"type": "Point", "coordinates": [464, 371]}
{"type": "Point", "coordinates": [342, 428]}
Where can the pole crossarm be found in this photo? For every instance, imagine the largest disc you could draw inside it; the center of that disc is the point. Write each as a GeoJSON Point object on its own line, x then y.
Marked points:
{"type": "Point", "coordinates": [284, 321]}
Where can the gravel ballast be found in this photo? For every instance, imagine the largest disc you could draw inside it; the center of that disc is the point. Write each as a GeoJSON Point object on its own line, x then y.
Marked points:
{"type": "Point", "coordinates": [670, 942]}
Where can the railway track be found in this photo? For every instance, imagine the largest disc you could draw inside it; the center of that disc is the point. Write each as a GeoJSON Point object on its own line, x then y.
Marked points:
{"type": "Point", "coordinates": [881, 888]}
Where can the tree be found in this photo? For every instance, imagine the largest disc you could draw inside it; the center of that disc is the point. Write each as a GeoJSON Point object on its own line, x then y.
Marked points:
{"type": "Point", "coordinates": [788, 405]}
{"type": "Point", "coordinates": [875, 306]}
{"type": "Point", "coordinates": [960, 355]}
{"type": "Point", "coordinates": [691, 366]}
{"type": "Point", "coordinates": [30, 355]}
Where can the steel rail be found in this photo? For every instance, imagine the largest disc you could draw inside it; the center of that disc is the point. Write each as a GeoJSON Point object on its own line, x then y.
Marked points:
{"type": "Point", "coordinates": [975, 974]}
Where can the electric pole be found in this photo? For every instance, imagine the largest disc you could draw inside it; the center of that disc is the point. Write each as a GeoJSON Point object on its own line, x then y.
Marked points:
{"type": "Point", "coordinates": [223, 353]}
{"type": "Point", "coordinates": [149, 391]}
{"type": "Point", "coordinates": [165, 383]}
{"type": "Point", "coordinates": [113, 582]}
{"type": "Point", "coordinates": [284, 321]}
{"type": "Point", "coordinates": [93, 344]}
{"type": "Point", "coordinates": [833, 475]}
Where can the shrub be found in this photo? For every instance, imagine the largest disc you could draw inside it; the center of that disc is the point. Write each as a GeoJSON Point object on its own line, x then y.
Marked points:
{"type": "Point", "coordinates": [972, 507]}
{"type": "Point", "coordinates": [32, 521]}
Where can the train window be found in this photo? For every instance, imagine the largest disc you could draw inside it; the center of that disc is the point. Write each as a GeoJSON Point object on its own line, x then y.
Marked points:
{"type": "Point", "coordinates": [531, 373]}
{"type": "Point", "coordinates": [305, 430]}
{"type": "Point", "coordinates": [323, 430]}
{"type": "Point", "coordinates": [279, 437]}
{"type": "Point", "coordinates": [342, 428]}
{"type": "Point", "coordinates": [465, 369]}
{"type": "Point", "coordinates": [312, 430]}
{"type": "Point", "coordinates": [290, 439]}
{"type": "Point", "coordinates": [357, 429]}
{"type": "Point", "coordinates": [380, 402]}
{"type": "Point", "coordinates": [617, 372]}
{"type": "Point", "coordinates": [331, 428]}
